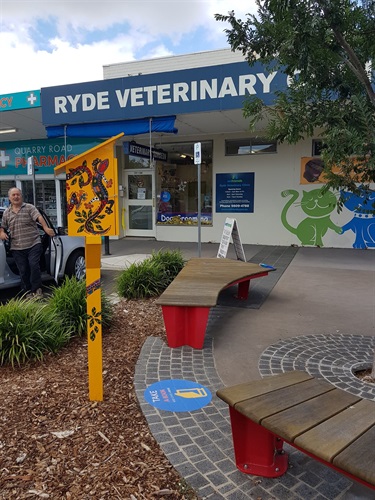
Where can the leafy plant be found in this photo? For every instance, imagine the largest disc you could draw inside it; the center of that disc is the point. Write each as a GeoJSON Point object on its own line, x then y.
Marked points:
{"type": "Point", "coordinates": [28, 330]}
{"type": "Point", "coordinates": [150, 277]}
{"type": "Point", "coordinates": [170, 263]}
{"type": "Point", "coordinates": [140, 280]}
{"type": "Point", "coordinates": [69, 301]}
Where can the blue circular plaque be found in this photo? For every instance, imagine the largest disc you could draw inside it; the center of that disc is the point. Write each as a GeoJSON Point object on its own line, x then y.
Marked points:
{"type": "Point", "coordinates": [165, 196]}
{"type": "Point", "coordinates": [177, 395]}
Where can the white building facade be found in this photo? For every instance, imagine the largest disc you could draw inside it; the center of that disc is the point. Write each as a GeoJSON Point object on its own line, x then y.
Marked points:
{"type": "Point", "coordinates": [170, 106]}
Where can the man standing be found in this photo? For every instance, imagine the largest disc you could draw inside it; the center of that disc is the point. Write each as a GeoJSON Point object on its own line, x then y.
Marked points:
{"type": "Point", "coordinates": [21, 220]}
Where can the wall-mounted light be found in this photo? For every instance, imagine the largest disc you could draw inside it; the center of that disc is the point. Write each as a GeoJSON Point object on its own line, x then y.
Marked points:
{"type": "Point", "coordinates": [7, 130]}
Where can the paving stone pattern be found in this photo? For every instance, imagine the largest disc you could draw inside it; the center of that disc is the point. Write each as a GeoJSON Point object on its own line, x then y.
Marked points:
{"type": "Point", "coordinates": [199, 443]}
{"type": "Point", "coordinates": [333, 357]}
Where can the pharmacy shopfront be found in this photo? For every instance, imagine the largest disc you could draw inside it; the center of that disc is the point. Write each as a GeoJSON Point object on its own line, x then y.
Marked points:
{"type": "Point", "coordinates": [165, 107]}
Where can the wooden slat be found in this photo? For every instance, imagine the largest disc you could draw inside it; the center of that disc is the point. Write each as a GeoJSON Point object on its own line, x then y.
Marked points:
{"type": "Point", "coordinates": [359, 458]}
{"type": "Point", "coordinates": [241, 392]}
{"type": "Point", "coordinates": [334, 435]}
{"type": "Point", "coordinates": [201, 280]}
{"type": "Point", "coordinates": [329, 423]}
{"type": "Point", "coordinates": [262, 407]}
{"type": "Point", "coordinates": [294, 421]}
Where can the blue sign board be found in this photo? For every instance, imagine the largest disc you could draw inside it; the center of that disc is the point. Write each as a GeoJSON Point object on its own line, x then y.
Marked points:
{"type": "Point", "coordinates": [47, 154]}
{"type": "Point", "coordinates": [20, 100]}
{"type": "Point", "coordinates": [175, 218]}
{"type": "Point", "coordinates": [177, 395]}
{"type": "Point", "coordinates": [235, 192]}
{"type": "Point", "coordinates": [210, 88]}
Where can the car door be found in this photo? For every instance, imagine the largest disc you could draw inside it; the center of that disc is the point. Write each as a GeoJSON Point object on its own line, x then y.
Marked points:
{"type": "Point", "coordinates": [3, 260]}
{"type": "Point", "coordinates": [56, 260]}
{"type": "Point", "coordinates": [53, 251]}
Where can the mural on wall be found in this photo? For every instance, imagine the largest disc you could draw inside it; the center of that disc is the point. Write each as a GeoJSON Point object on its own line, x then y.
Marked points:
{"type": "Point", "coordinates": [363, 222]}
{"type": "Point", "coordinates": [311, 170]}
{"type": "Point", "coordinates": [318, 208]}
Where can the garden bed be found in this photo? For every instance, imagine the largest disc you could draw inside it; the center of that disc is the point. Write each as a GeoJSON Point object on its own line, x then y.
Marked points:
{"type": "Point", "coordinates": [56, 444]}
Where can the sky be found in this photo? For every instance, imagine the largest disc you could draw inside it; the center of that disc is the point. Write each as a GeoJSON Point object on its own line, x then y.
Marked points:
{"type": "Point", "coordinates": [57, 42]}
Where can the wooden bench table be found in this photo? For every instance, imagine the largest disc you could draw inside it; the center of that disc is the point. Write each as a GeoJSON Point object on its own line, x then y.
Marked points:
{"type": "Point", "coordinates": [186, 302]}
{"type": "Point", "coordinates": [328, 424]}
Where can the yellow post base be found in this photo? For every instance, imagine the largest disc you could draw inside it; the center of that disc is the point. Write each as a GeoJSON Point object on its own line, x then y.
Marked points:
{"type": "Point", "coordinates": [94, 317]}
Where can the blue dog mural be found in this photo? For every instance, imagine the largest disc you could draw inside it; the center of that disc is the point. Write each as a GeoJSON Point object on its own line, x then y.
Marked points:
{"type": "Point", "coordinates": [363, 222]}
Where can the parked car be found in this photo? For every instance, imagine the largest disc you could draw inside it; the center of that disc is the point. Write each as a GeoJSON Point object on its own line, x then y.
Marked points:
{"type": "Point", "coordinates": [63, 255]}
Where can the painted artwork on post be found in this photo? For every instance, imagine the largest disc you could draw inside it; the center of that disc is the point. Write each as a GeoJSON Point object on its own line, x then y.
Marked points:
{"type": "Point", "coordinates": [92, 191]}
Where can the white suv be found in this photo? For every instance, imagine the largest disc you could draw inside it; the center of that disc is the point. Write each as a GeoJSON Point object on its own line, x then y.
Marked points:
{"type": "Point", "coordinates": [62, 255]}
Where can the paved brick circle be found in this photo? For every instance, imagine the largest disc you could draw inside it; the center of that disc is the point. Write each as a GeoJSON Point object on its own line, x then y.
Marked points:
{"type": "Point", "coordinates": [199, 443]}
{"type": "Point", "coordinates": [332, 357]}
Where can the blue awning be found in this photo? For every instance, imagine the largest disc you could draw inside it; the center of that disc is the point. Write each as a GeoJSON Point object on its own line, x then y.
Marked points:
{"type": "Point", "coordinates": [109, 129]}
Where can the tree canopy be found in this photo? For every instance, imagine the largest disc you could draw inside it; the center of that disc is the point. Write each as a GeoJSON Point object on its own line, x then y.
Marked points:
{"type": "Point", "coordinates": [326, 48]}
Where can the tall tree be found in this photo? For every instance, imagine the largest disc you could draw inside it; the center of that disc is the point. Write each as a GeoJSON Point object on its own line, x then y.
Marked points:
{"type": "Point", "coordinates": [326, 48]}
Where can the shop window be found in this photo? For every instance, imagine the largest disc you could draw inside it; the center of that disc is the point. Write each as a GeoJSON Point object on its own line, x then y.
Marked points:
{"type": "Point", "coordinates": [177, 185]}
{"type": "Point", "coordinates": [45, 196]}
{"type": "Point", "coordinates": [250, 145]}
{"type": "Point", "coordinates": [4, 188]}
{"type": "Point", "coordinates": [136, 162]}
{"type": "Point", "coordinates": [317, 147]}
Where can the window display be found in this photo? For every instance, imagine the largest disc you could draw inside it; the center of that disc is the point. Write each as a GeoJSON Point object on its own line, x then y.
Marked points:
{"type": "Point", "coordinates": [4, 188]}
{"type": "Point", "coordinates": [250, 145]}
{"type": "Point", "coordinates": [45, 196]}
{"type": "Point", "coordinates": [177, 186]}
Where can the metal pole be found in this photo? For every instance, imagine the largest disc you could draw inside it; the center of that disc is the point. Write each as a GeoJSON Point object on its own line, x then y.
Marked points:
{"type": "Point", "coordinates": [34, 187]}
{"type": "Point", "coordinates": [106, 245]}
{"type": "Point", "coordinates": [199, 209]}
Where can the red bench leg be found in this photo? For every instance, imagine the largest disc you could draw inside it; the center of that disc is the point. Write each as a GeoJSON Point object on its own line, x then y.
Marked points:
{"type": "Point", "coordinates": [243, 290]}
{"type": "Point", "coordinates": [257, 451]}
{"type": "Point", "coordinates": [244, 286]}
{"type": "Point", "coordinates": [185, 325]}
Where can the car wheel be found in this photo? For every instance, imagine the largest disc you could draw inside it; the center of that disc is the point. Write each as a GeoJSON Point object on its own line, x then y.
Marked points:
{"type": "Point", "coordinates": [76, 265]}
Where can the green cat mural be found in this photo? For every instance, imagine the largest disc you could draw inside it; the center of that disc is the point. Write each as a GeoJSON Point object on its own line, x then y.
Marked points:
{"type": "Point", "coordinates": [317, 206]}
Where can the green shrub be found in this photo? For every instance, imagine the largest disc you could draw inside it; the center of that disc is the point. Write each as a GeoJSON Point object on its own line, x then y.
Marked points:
{"type": "Point", "coordinates": [107, 311]}
{"type": "Point", "coordinates": [28, 330]}
{"type": "Point", "coordinates": [170, 263]}
{"type": "Point", "coordinates": [69, 301]}
{"type": "Point", "coordinates": [139, 280]}
{"type": "Point", "coordinates": [150, 277]}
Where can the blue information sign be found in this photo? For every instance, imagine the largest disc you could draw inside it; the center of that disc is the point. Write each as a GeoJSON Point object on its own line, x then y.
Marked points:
{"type": "Point", "coordinates": [235, 192]}
{"type": "Point", "coordinates": [177, 395]}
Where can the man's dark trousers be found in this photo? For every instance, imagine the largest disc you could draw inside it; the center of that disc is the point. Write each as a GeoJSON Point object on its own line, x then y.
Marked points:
{"type": "Point", "coordinates": [28, 264]}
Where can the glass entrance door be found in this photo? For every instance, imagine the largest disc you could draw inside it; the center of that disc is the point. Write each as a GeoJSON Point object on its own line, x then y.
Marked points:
{"type": "Point", "coordinates": [140, 203]}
